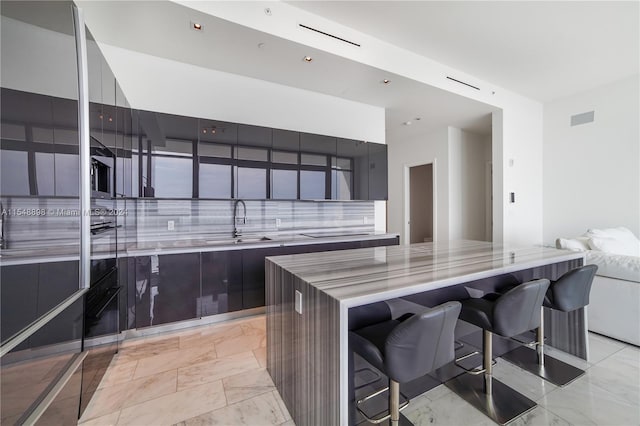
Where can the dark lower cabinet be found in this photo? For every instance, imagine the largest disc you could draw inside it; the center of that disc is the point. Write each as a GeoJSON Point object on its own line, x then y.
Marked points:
{"type": "Point", "coordinates": [30, 291]}
{"type": "Point", "coordinates": [253, 294]}
{"type": "Point", "coordinates": [166, 288]}
{"type": "Point", "coordinates": [19, 289]}
{"type": "Point", "coordinates": [380, 242]}
{"type": "Point", "coordinates": [253, 274]}
{"type": "Point", "coordinates": [221, 282]}
{"type": "Point", "coordinates": [177, 287]}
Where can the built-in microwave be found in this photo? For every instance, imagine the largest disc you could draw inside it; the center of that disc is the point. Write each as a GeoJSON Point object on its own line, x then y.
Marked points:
{"type": "Point", "coordinates": [100, 177]}
{"type": "Point", "coordinates": [102, 170]}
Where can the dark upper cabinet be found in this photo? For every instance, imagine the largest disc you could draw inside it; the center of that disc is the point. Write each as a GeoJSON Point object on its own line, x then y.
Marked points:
{"type": "Point", "coordinates": [65, 139]}
{"type": "Point", "coordinates": [316, 152]}
{"type": "Point", "coordinates": [252, 155]}
{"type": "Point", "coordinates": [184, 157]}
{"type": "Point", "coordinates": [285, 158]}
{"type": "Point", "coordinates": [217, 142]}
{"type": "Point", "coordinates": [286, 141]}
{"type": "Point", "coordinates": [350, 171]}
{"type": "Point", "coordinates": [168, 148]}
{"type": "Point", "coordinates": [378, 172]}
{"type": "Point", "coordinates": [27, 157]}
{"type": "Point", "coordinates": [125, 167]}
{"type": "Point", "coordinates": [221, 282]}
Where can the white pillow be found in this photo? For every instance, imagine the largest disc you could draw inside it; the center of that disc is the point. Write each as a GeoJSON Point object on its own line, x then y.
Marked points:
{"type": "Point", "coordinates": [619, 233]}
{"type": "Point", "coordinates": [615, 246]}
{"type": "Point", "coordinates": [575, 244]}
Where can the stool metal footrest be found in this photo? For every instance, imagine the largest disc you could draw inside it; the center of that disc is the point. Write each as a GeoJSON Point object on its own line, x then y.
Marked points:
{"type": "Point", "coordinates": [553, 370]}
{"type": "Point", "coordinates": [502, 405]}
{"type": "Point", "coordinates": [472, 371]}
{"type": "Point", "coordinates": [378, 420]}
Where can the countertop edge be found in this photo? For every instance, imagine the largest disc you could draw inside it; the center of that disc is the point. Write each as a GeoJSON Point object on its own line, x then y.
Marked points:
{"type": "Point", "coordinates": [198, 249]}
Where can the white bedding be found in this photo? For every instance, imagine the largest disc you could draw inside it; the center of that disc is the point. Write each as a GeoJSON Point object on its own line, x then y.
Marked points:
{"type": "Point", "coordinates": [615, 265]}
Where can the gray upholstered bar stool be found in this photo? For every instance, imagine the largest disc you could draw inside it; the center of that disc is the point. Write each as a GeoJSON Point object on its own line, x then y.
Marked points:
{"type": "Point", "coordinates": [569, 293]}
{"type": "Point", "coordinates": [506, 315]}
{"type": "Point", "coordinates": [404, 349]}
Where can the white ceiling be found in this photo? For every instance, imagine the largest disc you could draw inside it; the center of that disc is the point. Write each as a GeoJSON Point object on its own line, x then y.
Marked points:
{"type": "Point", "coordinates": [543, 50]}
{"type": "Point", "coordinates": [163, 29]}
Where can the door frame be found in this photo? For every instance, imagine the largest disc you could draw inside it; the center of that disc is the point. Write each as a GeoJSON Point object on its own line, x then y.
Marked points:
{"type": "Point", "coordinates": [406, 205]}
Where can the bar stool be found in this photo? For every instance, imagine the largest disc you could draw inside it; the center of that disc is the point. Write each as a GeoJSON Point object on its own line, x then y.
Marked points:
{"type": "Point", "coordinates": [506, 315]}
{"type": "Point", "coordinates": [569, 293]}
{"type": "Point", "coordinates": [405, 349]}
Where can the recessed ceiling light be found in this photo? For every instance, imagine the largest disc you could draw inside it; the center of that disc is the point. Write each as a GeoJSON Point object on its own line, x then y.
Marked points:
{"type": "Point", "coordinates": [267, 11]}
{"type": "Point", "coordinates": [260, 45]}
{"type": "Point", "coordinates": [407, 123]}
{"type": "Point", "coordinates": [308, 59]}
{"type": "Point", "coordinates": [196, 26]}
{"type": "Point", "coordinates": [385, 81]}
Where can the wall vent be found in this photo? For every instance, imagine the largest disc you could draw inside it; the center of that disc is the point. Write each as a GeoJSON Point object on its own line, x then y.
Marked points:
{"type": "Point", "coordinates": [330, 35]}
{"type": "Point", "coordinates": [584, 118]}
{"type": "Point", "coordinates": [462, 82]}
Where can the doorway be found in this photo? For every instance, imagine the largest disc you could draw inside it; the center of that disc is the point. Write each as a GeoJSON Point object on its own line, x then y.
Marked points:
{"type": "Point", "coordinates": [421, 203]}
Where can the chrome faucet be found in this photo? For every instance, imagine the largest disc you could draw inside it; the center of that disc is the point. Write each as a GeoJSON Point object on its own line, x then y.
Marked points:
{"type": "Point", "coordinates": [236, 232]}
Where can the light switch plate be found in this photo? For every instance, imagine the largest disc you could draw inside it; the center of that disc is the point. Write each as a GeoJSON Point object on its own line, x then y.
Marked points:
{"type": "Point", "coordinates": [171, 225]}
{"type": "Point", "coordinates": [298, 302]}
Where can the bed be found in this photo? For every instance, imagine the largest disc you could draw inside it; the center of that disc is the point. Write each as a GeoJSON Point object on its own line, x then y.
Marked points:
{"type": "Point", "coordinates": [614, 308]}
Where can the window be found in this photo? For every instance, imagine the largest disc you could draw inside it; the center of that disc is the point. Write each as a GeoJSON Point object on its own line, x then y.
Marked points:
{"type": "Point", "coordinates": [251, 183]}
{"type": "Point", "coordinates": [313, 160]}
{"type": "Point", "coordinates": [312, 185]}
{"type": "Point", "coordinates": [284, 184]}
{"type": "Point", "coordinates": [284, 157]}
{"type": "Point", "coordinates": [14, 173]}
{"type": "Point", "coordinates": [215, 180]}
{"type": "Point", "coordinates": [341, 178]}
{"type": "Point", "coordinates": [172, 177]}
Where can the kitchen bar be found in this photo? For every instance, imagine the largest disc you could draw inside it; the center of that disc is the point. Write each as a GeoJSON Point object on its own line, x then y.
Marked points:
{"type": "Point", "coordinates": [308, 298]}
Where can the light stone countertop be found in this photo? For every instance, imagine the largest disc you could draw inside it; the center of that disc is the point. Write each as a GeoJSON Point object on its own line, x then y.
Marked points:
{"type": "Point", "coordinates": [69, 253]}
{"type": "Point", "coordinates": [358, 277]}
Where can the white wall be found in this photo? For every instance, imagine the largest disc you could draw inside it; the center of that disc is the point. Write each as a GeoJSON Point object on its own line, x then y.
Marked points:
{"type": "Point", "coordinates": [519, 136]}
{"type": "Point", "coordinates": [468, 155]}
{"type": "Point", "coordinates": [414, 151]}
{"type": "Point", "coordinates": [163, 85]}
{"type": "Point", "coordinates": [592, 171]}
{"type": "Point", "coordinates": [459, 159]}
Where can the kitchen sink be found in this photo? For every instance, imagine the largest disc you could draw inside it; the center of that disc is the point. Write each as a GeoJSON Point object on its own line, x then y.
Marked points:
{"type": "Point", "coordinates": [240, 240]}
{"type": "Point", "coordinates": [252, 240]}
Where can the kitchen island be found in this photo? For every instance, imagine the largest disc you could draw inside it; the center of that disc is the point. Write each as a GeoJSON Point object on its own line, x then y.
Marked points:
{"type": "Point", "coordinates": [308, 297]}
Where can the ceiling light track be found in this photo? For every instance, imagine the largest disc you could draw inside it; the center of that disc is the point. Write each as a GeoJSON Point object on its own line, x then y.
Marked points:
{"type": "Point", "coordinates": [330, 35]}
{"type": "Point", "coordinates": [462, 82]}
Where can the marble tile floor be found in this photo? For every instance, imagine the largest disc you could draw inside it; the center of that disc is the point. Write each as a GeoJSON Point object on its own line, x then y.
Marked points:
{"type": "Point", "coordinates": [215, 375]}
{"type": "Point", "coordinates": [608, 394]}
